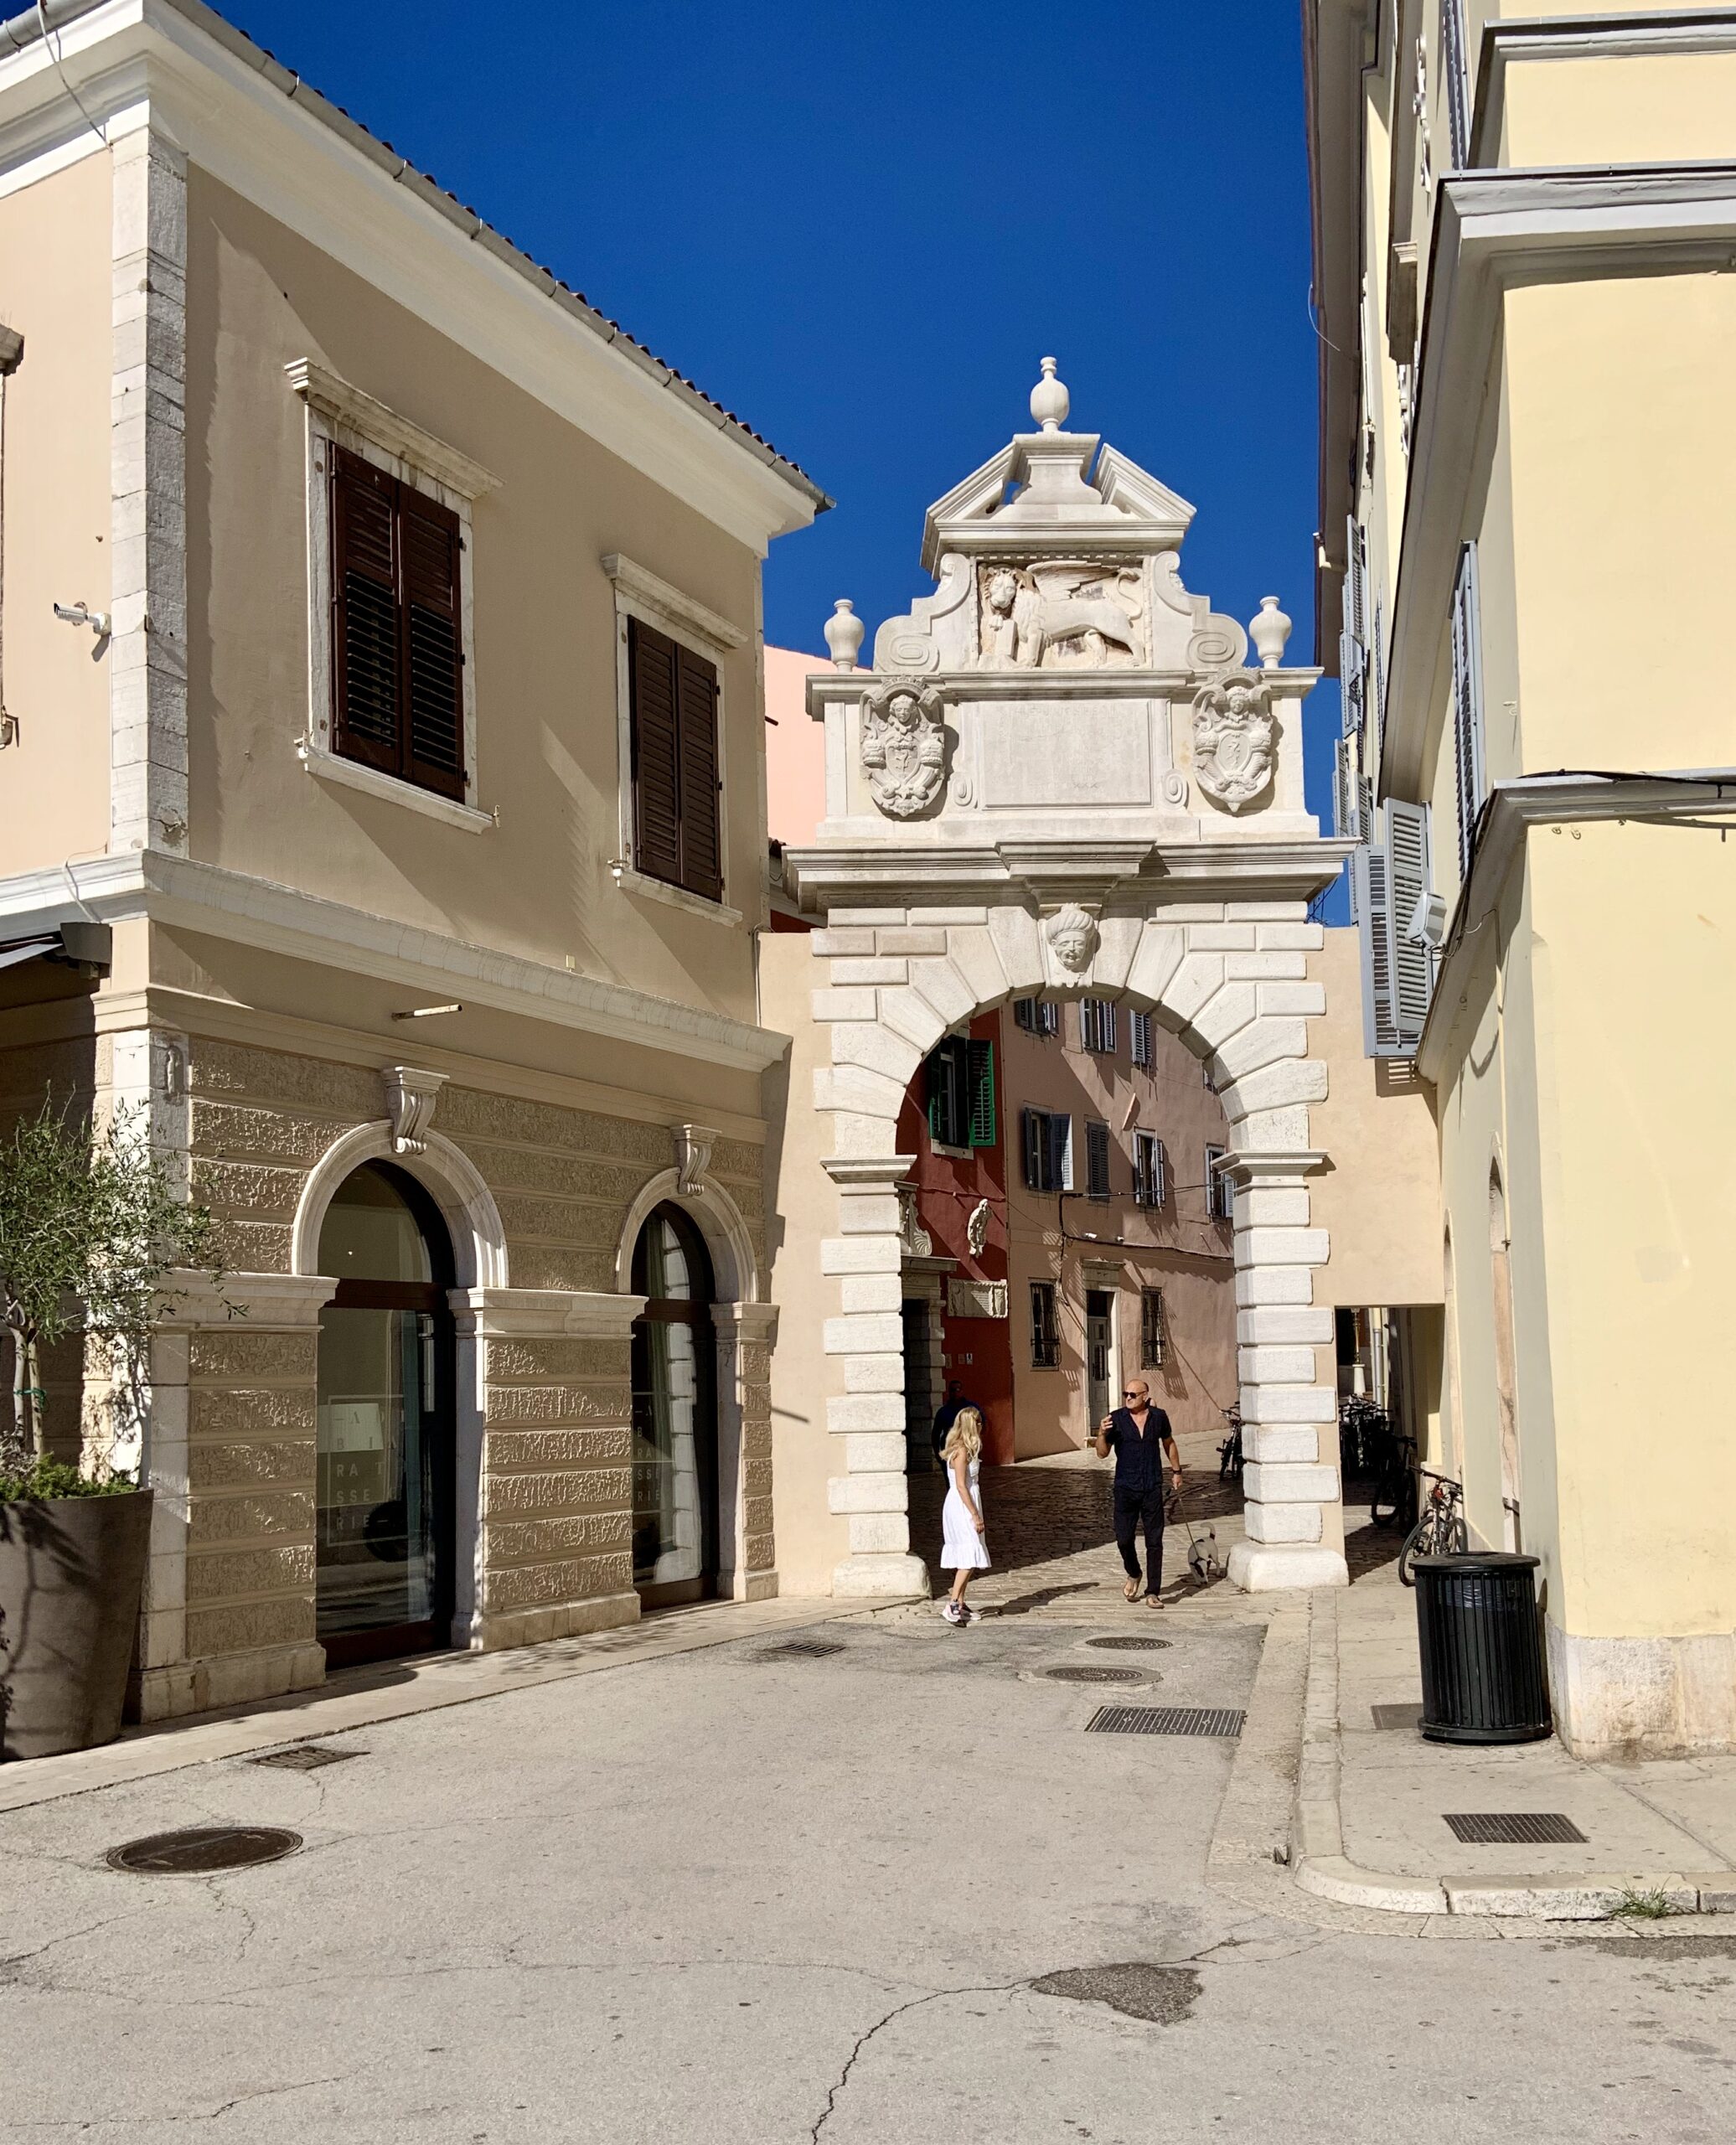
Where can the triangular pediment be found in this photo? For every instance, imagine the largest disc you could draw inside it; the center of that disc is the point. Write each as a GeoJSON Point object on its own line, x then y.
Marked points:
{"type": "Point", "coordinates": [1063, 482]}
{"type": "Point", "coordinates": [981, 492]}
{"type": "Point", "coordinates": [1122, 483]}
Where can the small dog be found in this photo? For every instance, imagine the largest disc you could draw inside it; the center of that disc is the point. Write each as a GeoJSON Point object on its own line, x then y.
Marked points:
{"type": "Point", "coordinates": [1203, 1560]}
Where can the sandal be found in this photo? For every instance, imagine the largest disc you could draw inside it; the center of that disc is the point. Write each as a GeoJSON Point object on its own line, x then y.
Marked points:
{"type": "Point", "coordinates": [1130, 1592]}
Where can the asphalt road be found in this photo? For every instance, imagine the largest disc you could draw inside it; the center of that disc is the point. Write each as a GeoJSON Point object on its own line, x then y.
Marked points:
{"type": "Point", "coordinates": [892, 1893]}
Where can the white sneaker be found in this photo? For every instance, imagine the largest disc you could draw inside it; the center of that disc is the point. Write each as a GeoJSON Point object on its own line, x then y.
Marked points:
{"type": "Point", "coordinates": [955, 1613]}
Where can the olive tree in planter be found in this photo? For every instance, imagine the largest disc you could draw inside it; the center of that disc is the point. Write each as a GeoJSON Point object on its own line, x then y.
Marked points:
{"type": "Point", "coordinates": [91, 1226]}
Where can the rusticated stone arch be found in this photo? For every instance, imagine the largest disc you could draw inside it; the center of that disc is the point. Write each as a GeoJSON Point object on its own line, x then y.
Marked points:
{"type": "Point", "coordinates": [1231, 979]}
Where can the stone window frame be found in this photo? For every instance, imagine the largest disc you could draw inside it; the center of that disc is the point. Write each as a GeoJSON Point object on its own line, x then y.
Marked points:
{"type": "Point", "coordinates": [641, 594]}
{"type": "Point", "coordinates": [339, 415]}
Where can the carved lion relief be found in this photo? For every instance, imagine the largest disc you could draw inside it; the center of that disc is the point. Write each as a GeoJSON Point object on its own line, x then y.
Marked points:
{"type": "Point", "coordinates": [904, 747]}
{"type": "Point", "coordinates": [1060, 613]}
{"type": "Point", "coordinates": [1235, 741]}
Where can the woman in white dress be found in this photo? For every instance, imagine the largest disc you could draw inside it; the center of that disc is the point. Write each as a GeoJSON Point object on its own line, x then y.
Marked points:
{"type": "Point", "coordinates": [963, 1548]}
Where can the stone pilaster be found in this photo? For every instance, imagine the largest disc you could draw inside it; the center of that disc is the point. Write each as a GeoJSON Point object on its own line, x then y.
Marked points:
{"type": "Point", "coordinates": [747, 1555]}
{"type": "Point", "coordinates": [230, 1449]}
{"type": "Point", "coordinates": [1295, 1517]}
{"type": "Point", "coordinates": [543, 1464]}
{"type": "Point", "coordinates": [867, 1417]}
{"type": "Point", "coordinates": [148, 599]}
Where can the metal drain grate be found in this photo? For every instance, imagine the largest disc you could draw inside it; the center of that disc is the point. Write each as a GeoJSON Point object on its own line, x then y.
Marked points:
{"type": "Point", "coordinates": [1093, 1672]}
{"type": "Point", "coordinates": [305, 1758]}
{"type": "Point", "coordinates": [202, 1848]}
{"type": "Point", "coordinates": [1125, 1644]}
{"type": "Point", "coordinates": [801, 1650]}
{"type": "Point", "coordinates": [1166, 1720]}
{"type": "Point", "coordinates": [1409, 1715]}
{"type": "Point", "coordinates": [1515, 1828]}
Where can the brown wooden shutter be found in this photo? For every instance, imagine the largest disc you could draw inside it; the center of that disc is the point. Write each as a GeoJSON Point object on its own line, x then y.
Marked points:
{"type": "Point", "coordinates": [366, 663]}
{"type": "Point", "coordinates": [432, 636]}
{"type": "Point", "coordinates": [701, 839]}
{"type": "Point", "coordinates": [656, 752]}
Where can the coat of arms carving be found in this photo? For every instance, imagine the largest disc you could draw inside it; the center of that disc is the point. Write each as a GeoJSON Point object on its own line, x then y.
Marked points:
{"type": "Point", "coordinates": [1235, 741]}
{"type": "Point", "coordinates": [904, 747]}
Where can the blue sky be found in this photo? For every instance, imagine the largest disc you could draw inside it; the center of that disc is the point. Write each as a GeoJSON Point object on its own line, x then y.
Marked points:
{"type": "Point", "coordinates": [860, 227]}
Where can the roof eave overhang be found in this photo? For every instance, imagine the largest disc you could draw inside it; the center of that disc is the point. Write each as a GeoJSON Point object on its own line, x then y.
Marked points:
{"type": "Point", "coordinates": [263, 131]}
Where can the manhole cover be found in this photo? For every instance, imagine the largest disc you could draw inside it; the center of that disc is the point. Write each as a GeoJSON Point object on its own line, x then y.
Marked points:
{"type": "Point", "coordinates": [1166, 1720]}
{"type": "Point", "coordinates": [305, 1758]}
{"type": "Point", "coordinates": [1515, 1828]}
{"type": "Point", "coordinates": [1093, 1672]}
{"type": "Point", "coordinates": [1408, 1715]}
{"type": "Point", "coordinates": [1128, 1644]}
{"type": "Point", "coordinates": [800, 1650]}
{"type": "Point", "coordinates": [203, 1849]}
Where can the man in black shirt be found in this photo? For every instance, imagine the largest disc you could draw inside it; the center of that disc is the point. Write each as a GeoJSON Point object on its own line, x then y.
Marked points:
{"type": "Point", "coordinates": [1141, 1438]}
{"type": "Point", "coordinates": [947, 1414]}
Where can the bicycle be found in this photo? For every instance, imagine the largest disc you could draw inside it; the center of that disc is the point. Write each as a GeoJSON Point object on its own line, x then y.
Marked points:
{"type": "Point", "coordinates": [1361, 1426]}
{"type": "Point", "coordinates": [1394, 1501]}
{"type": "Point", "coordinates": [1440, 1530]}
{"type": "Point", "coordinates": [1229, 1453]}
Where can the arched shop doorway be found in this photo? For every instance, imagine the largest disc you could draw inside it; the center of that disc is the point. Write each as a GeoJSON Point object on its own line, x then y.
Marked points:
{"type": "Point", "coordinates": [385, 1422]}
{"type": "Point", "coordinates": [675, 1414]}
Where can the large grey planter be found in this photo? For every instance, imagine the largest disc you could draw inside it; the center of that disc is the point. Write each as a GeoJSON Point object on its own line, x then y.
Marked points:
{"type": "Point", "coordinates": [72, 1573]}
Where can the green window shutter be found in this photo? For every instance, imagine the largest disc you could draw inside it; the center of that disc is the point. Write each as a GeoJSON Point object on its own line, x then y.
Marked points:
{"type": "Point", "coordinates": [982, 1122]}
{"type": "Point", "coordinates": [936, 1078]}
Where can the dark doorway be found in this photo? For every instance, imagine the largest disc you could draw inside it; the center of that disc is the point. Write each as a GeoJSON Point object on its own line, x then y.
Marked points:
{"type": "Point", "coordinates": [918, 1389]}
{"type": "Point", "coordinates": [674, 1415]}
{"type": "Point", "coordinates": [384, 1504]}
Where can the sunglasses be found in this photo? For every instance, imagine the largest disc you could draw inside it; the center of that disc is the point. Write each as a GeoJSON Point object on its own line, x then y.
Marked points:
{"type": "Point", "coordinates": [1131, 1392]}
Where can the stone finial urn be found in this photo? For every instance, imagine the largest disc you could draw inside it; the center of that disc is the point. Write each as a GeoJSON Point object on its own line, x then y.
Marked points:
{"type": "Point", "coordinates": [1268, 631]}
{"type": "Point", "coordinates": [1049, 400]}
{"type": "Point", "coordinates": [843, 632]}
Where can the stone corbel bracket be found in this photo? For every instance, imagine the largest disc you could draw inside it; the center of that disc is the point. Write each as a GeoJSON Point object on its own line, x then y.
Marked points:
{"type": "Point", "coordinates": [693, 1157]}
{"type": "Point", "coordinates": [411, 1094]}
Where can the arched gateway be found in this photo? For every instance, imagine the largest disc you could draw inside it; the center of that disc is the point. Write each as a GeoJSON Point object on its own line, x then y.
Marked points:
{"type": "Point", "coordinates": [1060, 776]}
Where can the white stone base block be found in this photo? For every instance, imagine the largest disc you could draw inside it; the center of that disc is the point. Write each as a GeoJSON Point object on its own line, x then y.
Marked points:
{"type": "Point", "coordinates": [1642, 1697]}
{"type": "Point", "coordinates": [1271, 1567]}
{"type": "Point", "coordinates": [880, 1579]}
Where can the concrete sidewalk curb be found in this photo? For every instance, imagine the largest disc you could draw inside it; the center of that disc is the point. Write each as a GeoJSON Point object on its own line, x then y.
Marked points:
{"type": "Point", "coordinates": [1320, 1865]}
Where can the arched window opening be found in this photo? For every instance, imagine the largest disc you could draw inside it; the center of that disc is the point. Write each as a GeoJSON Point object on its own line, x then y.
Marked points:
{"type": "Point", "coordinates": [675, 1414]}
{"type": "Point", "coordinates": [384, 1511]}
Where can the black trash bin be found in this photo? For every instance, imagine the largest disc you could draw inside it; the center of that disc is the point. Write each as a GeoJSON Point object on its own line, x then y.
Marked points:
{"type": "Point", "coordinates": [1482, 1649]}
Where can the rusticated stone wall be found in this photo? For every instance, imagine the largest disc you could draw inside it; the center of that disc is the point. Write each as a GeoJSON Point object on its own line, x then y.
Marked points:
{"type": "Point", "coordinates": [548, 1384]}
{"type": "Point", "coordinates": [557, 1485]}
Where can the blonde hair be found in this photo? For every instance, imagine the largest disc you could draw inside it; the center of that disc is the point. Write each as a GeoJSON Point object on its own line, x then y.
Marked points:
{"type": "Point", "coordinates": [966, 1434]}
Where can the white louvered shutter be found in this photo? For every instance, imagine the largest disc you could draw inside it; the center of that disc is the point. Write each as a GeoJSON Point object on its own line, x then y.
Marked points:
{"type": "Point", "coordinates": [1353, 640]}
{"type": "Point", "coordinates": [1410, 961]}
{"type": "Point", "coordinates": [1374, 909]}
{"type": "Point", "coordinates": [1467, 706]}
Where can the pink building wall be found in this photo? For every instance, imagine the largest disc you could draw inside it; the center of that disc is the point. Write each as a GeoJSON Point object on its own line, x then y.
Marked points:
{"type": "Point", "coordinates": [1174, 1248]}
{"type": "Point", "coordinates": [795, 749]}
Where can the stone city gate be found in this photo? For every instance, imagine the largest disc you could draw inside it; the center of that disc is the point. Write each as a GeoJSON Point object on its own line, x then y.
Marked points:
{"type": "Point", "coordinates": [1060, 776]}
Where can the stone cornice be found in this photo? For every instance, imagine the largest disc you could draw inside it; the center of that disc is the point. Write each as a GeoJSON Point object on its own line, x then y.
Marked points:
{"type": "Point", "coordinates": [337, 400]}
{"type": "Point", "coordinates": [1493, 229]}
{"type": "Point", "coordinates": [1646, 34]}
{"type": "Point", "coordinates": [1288, 869]}
{"type": "Point", "coordinates": [843, 688]}
{"type": "Point", "coordinates": [228, 905]}
{"type": "Point", "coordinates": [1513, 809]}
{"type": "Point", "coordinates": [633, 580]}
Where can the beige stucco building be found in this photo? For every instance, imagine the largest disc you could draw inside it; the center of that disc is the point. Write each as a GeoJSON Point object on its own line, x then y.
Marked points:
{"type": "Point", "coordinates": [405, 739]}
{"type": "Point", "coordinates": [1524, 220]}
